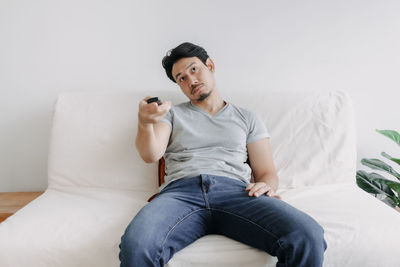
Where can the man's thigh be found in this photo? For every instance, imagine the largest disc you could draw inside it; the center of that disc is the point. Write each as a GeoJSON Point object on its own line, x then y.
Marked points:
{"type": "Point", "coordinates": [170, 222]}
{"type": "Point", "coordinates": [256, 221]}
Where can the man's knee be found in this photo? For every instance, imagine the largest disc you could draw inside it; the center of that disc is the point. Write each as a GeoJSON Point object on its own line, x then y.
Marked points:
{"type": "Point", "coordinates": [312, 235]}
{"type": "Point", "coordinates": [305, 245]}
{"type": "Point", "coordinates": [137, 244]}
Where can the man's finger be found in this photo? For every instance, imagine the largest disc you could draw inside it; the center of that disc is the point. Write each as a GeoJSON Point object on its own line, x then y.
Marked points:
{"type": "Point", "coordinates": [144, 100]}
{"type": "Point", "coordinates": [165, 106]}
{"type": "Point", "coordinates": [263, 190]}
{"type": "Point", "coordinates": [156, 109]}
{"type": "Point", "coordinates": [163, 109]}
{"type": "Point", "coordinates": [258, 189]}
{"type": "Point", "coordinates": [270, 192]}
{"type": "Point", "coordinates": [250, 186]}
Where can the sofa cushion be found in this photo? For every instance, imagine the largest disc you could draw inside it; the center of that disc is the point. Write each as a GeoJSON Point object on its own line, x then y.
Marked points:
{"type": "Point", "coordinates": [93, 143]}
{"type": "Point", "coordinates": [312, 135]}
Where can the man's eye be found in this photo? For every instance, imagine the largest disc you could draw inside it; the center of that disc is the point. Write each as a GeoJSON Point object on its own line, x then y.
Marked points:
{"type": "Point", "coordinates": [181, 79]}
{"type": "Point", "coordinates": [194, 68]}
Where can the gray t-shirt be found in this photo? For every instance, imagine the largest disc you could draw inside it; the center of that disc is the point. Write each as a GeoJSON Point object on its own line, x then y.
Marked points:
{"type": "Point", "coordinates": [201, 143]}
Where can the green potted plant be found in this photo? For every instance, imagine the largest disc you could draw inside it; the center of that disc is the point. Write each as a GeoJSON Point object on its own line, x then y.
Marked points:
{"type": "Point", "coordinates": [384, 189]}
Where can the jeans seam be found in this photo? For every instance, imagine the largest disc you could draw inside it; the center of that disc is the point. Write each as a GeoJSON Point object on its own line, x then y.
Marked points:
{"type": "Point", "coordinates": [172, 228]}
{"type": "Point", "coordinates": [279, 243]}
{"type": "Point", "coordinates": [206, 200]}
{"type": "Point", "coordinates": [248, 220]}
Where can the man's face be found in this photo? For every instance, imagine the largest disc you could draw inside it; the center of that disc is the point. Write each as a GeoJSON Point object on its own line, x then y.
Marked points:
{"type": "Point", "coordinates": [194, 78]}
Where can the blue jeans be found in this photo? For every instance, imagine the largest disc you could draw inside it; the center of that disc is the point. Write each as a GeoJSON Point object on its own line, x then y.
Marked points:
{"type": "Point", "coordinates": [190, 208]}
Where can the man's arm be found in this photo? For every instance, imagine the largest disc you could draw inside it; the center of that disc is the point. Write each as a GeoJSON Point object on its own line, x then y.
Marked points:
{"type": "Point", "coordinates": [153, 135]}
{"type": "Point", "coordinates": [262, 165]}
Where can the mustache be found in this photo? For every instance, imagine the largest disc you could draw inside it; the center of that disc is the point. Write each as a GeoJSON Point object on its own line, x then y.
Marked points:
{"type": "Point", "coordinates": [196, 85]}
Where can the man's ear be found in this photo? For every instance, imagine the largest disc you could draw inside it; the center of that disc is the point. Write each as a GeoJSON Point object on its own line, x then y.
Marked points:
{"type": "Point", "coordinates": [210, 64]}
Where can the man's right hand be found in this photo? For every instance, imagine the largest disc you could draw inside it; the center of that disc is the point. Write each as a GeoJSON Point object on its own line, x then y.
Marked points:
{"type": "Point", "coordinates": [152, 113]}
{"type": "Point", "coordinates": [152, 136]}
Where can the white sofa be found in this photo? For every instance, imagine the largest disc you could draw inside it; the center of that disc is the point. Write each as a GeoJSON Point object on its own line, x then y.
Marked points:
{"type": "Point", "coordinates": [97, 183]}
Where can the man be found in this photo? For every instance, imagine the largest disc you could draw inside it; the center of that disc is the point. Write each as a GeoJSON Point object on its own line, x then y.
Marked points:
{"type": "Point", "coordinates": [206, 143]}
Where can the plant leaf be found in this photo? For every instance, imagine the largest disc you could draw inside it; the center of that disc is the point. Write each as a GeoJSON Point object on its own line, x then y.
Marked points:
{"type": "Point", "coordinates": [389, 201]}
{"type": "Point", "coordinates": [395, 187]}
{"type": "Point", "coordinates": [373, 183]}
{"type": "Point", "coordinates": [390, 157]}
{"type": "Point", "coordinates": [377, 164]}
{"type": "Point", "coordinates": [376, 184]}
{"type": "Point", "coordinates": [395, 136]}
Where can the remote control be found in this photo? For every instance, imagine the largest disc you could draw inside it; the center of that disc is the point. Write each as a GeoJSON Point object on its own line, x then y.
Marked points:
{"type": "Point", "coordinates": [154, 99]}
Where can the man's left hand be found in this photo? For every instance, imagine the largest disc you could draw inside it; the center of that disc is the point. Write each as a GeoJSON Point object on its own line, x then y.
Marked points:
{"type": "Point", "coordinates": [259, 188]}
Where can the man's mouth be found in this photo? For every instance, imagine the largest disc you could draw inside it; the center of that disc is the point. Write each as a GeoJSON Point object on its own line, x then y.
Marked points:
{"type": "Point", "coordinates": [197, 88]}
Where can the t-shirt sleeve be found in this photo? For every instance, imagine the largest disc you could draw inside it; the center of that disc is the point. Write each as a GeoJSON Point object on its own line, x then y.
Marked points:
{"type": "Point", "coordinates": [168, 118]}
{"type": "Point", "coordinates": [257, 129]}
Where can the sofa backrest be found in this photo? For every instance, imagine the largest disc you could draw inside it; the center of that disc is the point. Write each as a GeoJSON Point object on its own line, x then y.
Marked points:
{"type": "Point", "coordinates": [93, 138]}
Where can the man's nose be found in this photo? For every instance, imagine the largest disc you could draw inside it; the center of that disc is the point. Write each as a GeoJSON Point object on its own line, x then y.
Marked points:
{"type": "Point", "coordinates": [192, 80]}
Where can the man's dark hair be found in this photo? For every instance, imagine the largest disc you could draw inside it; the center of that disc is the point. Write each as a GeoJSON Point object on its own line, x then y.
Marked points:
{"type": "Point", "coordinates": [182, 51]}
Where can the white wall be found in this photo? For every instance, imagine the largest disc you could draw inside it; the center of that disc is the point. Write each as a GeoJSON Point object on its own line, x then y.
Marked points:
{"type": "Point", "coordinates": [51, 46]}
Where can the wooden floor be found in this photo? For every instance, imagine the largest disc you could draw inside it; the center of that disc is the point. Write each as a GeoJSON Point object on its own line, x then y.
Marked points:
{"type": "Point", "coordinates": [11, 202]}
